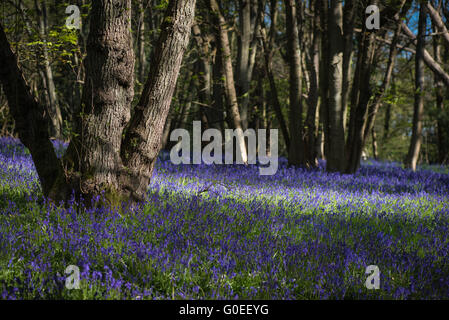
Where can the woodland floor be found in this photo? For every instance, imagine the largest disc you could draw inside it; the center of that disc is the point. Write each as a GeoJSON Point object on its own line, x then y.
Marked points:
{"type": "Point", "coordinates": [225, 232]}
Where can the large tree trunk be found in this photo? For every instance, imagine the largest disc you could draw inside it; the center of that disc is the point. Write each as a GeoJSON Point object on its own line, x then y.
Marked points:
{"type": "Point", "coordinates": [142, 142]}
{"type": "Point", "coordinates": [335, 155]}
{"type": "Point", "coordinates": [416, 139]}
{"type": "Point", "coordinates": [296, 154]}
{"type": "Point", "coordinates": [93, 160]}
{"type": "Point", "coordinates": [97, 159]}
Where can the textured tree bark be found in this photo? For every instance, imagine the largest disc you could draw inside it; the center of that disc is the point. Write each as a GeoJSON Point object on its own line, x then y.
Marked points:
{"type": "Point", "coordinates": [296, 152]}
{"type": "Point", "coordinates": [335, 155]}
{"type": "Point", "coordinates": [229, 78]}
{"type": "Point", "coordinates": [142, 141]}
{"type": "Point", "coordinates": [416, 139]}
{"type": "Point", "coordinates": [93, 162]}
{"type": "Point", "coordinates": [97, 159]}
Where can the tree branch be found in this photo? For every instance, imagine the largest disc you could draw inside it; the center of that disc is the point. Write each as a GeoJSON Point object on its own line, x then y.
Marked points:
{"type": "Point", "coordinates": [428, 60]}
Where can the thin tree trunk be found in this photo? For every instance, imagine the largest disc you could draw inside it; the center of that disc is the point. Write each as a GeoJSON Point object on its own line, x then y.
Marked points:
{"type": "Point", "coordinates": [442, 123]}
{"type": "Point", "coordinates": [359, 111]}
{"type": "Point", "coordinates": [205, 75]}
{"type": "Point", "coordinates": [268, 45]}
{"type": "Point", "coordinates": [54, 109]}
{"type": "Point", "coordinates": [243, 80]}
{"type": "Point", "coordinates": [416, 139]}
{"type": "Point", "coordinates": [375, 105]}
{"type": "Point", "coordinates": [229, 78]}
{"type": "Point", "coordinates": [141, 41]}
{"type": "Point", "coordinates": [324, 77]}
{"type": "Point", "coordinates": [311, 133]}
{"type": "Point", "coordinates": [374, 143]}
{"type": "Point", "coordinates": [348, 33]}
{"type": "Point", "coordinates": [217, 87]}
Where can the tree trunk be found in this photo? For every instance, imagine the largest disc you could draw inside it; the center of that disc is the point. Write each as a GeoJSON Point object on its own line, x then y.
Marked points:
{"type": "Point", "coordinates": [205, 77]}
{"type": "Point", "coordinates": [229, 78]}
{"type": "Point", "coordinates": [311, 132]}
{"type": "Point", "coordinates": [416, 139]}
{"type": "Point", "coordinates": [243, 76]}
{"type": "Point", "coordinates": [268, 45]}
{"type": "Point", "coordinates": [54, 110]}
{"type": "Point", "coordinates": [217, 86]}
{"type": "Point", "coordinates": [374, 143]}
{"type": "Point", "coordinates": [442, 122]}
{"type": "Point", "coordinates": [97, 159]}
{"type": "Point", "coordinates": [141, 41]}
{"type": "Point", "coordinates": [142, 141]}
{"type": "Point", "coordinates": [296, 154]}
{"type": "Point", "coordinates": [29, 116]}
{"type": "Point", "coordinates": [335, 156]}
{"type": "Point", "coordinates": [324, 79]}
{"type": "Point", "coordinates": [360, 111]}
{"type": "Point", "coordinates": [348, 33]}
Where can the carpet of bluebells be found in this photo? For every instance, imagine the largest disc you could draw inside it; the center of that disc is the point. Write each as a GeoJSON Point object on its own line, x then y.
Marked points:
{"type": "Point", "coordinates": [225, 232]}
